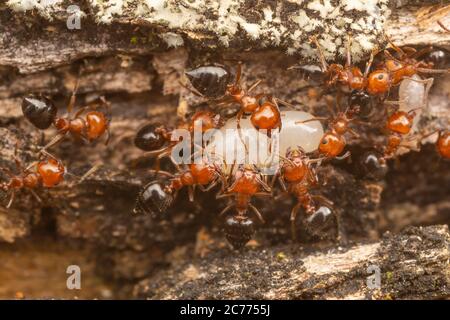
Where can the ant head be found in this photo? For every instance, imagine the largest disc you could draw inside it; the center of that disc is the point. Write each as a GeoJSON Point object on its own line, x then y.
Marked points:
{"type": "Point", "coordinates": [331, 144]}
{"type": "Point", "coordinates": [239, 230]}
{"type": "Point", "coordinates": [150, 137]}
{"type": "Point", "coordinates": [378, 82]}
{"type": "Point", "coordinates": [39, 110]}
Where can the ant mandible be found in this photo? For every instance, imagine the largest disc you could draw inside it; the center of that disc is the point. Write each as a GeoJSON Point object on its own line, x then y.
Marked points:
{"type": "Point", "coordinates": [46, 173]}
{"type": "Point", "coordinates": [298, 173]}
{"type": "Point", "coordinates": [247, 183]}
{"type": "Point", "coordinates": [42, 113]}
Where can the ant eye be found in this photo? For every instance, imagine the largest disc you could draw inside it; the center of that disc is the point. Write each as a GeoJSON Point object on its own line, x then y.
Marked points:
{"type": "Point", "coordinates": [325, 141]}
{"type": "Point", "coordinates": [380, 77]}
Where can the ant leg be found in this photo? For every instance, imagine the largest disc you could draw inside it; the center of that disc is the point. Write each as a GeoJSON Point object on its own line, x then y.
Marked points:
{"type": "Point", "coordinates": [226, 209]}
{"type": "Point", "coordinates": [353, 133]}
{"type": "Point", "coordinates": [312, 119]}
{"type": "Point", "coordinates": [258, 214]}
{"type": "Point", "coordinates": [238, 126]}
{"type": "Point", "coordinates": [431, 71]}
{"type": "Point", "coordinates": [263, 184]}
{"type": "Point", "coordinates": [73, 97]}
{"type": "Point", "coordinates": [282, 184]}
{"type": "Point", "coordinates": [349, 51]}
{"type": "Point", "coordinates": [253, 86]}
{"type": "Point", "coordinates": [345, 155]}
{"type": "Point", "coordinates": [35, 195]}
{"type": "Point", "coordinates": [161, 172]}
{"type": "Point", "coordinates": [321, 55]}
{"type": "Point", "coordinates": [192, 90]}
{"type": "Point", "coordinates": [55, 140]}
{"type": "Point", "coordinates": [324, 200]}
{"type": "Point", "coordinates": [191, 193]}
{"type": "Point", "coordinates": [293, 218]}
{"type": "Point", "coordinates": [90, 172]}
{"type": "Point", "coordinates": [11, 199]}
{"type": "Point", "coordinates": [370, 62]}
{"type": "Point", "coordinates": [397, 49]}
{"type": "Point", "coordinates": [238, 74]}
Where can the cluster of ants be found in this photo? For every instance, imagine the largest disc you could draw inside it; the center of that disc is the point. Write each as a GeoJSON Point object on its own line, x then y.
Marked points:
{"type": "Point", "coordinates": [88, 123]}
{"type": "Point", "coordinates": [297, 173]}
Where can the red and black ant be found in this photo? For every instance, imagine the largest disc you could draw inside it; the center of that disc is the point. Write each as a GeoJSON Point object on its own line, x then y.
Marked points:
{"type": "Point", "coordinates": [87, 123]}
{"type": "Point", "coordinates": [46, 173]}
{"type": "Point", "coordinates": [157, 140]}
{"type": "Point", "coordinates": [213, 82]}
{"type": "Point", "coordinates": [246, 183]}
{"type": "Point", "coordinates": [333, 141]}
{"type": "Point", "coordinates": [395, 69]}
{"type": "Point", "coordinates": [298, 176]}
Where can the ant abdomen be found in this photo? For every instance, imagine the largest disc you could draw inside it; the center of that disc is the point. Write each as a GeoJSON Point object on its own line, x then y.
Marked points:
{"type": "Point", "coordinates": [372, 165]}
{"type": "Point", "coordinates": [39, 110]}
{"type": "Point", "coordinates": [149, 138]}
{"type": "Point", "coordinates": [153, 199]}
{"type": "Point", "coordinates": [319, 221]}
{"type": "Point", "coordinates": [210, 81]}
{"type": "Point", "coordinates": [239, 230]}
{"type": "Point", "coordinates": [361, 101]}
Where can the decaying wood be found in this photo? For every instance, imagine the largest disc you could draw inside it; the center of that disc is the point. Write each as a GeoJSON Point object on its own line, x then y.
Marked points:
{"type": "Point", "coordinates": [130, 62]}
{"type": "Point", "coordinates": [413, 264]}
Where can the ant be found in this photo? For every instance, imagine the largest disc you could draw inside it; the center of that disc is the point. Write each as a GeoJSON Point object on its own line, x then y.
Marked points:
{"type": "Point", "coordinates": [393, 70]}
{"type": "Point", "coordinates": [247, 183]}
{"type": "Point", "coordinates": [157, 140]}
{"type": "Point", "coordinates": [297, 176]}
{"type": "Point", "coordinates": [213, 82]}
{"type": "Point", "coordinates": [348, 77]}
{"type": "Point", "coordinates": [46, 173]}
{"type": "Point", "coordinates": [86, 124]}
{"type": "Point", "coordinates": [205, 175]}
{"type": "Point", "coordinates": [333, 141]}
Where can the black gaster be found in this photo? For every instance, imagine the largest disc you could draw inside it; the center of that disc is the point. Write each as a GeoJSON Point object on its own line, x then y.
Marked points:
{"type": "Point", "coordinates": [39, 110]}
{"type": "Point", "coordinates": [210, 81]}
{"type": "Point", "coordinates": [239, 230]}
{"type": "Point", "coordinates": [152, 199]}
{"type": "Point", "coordinates": [148, 139]}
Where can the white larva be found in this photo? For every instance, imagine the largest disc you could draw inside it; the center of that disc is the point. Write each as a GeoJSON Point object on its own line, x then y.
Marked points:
{"type": "Point", "coordinates": [228, 146]}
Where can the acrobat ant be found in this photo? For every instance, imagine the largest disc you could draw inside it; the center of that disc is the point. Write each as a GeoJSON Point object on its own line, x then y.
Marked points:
{"type": "Point", "coordinates": [46, 173]}
{"type": "Point", "coordinates": [156, 197]}
{"type": "Point", "coordinates": [205, 174]}
{"type": "Point", "coordinates": [246, 183]}
{"type": "Point", "coordinates": [297, 176]}
{"type": "Point", "coordinates": [333, 141]}
{"type": "Point", "coordinates": [213, 82]}
{"type": "Point", "coordinates": [157, 140]}
{"type": "Point", "coordinates": [393, 70]}
{"type": "Point", "coordinates": [348, 77]}
{"type": "Point", "coordinates": [86, 124]}
{"type": "Point", "coordinates": [153, 199]}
